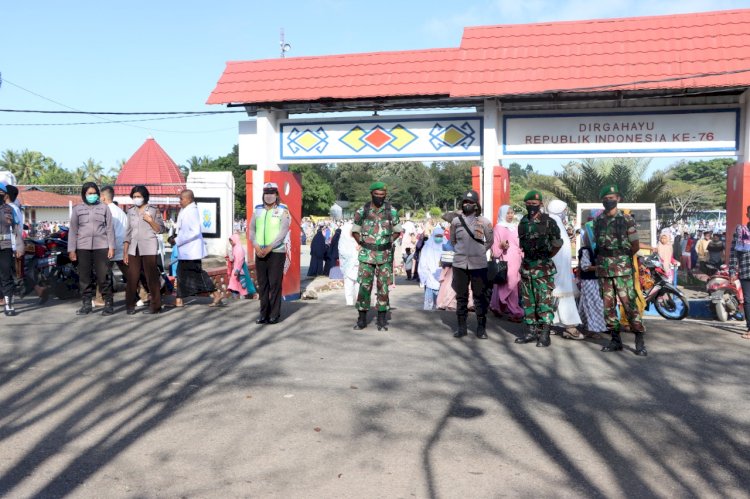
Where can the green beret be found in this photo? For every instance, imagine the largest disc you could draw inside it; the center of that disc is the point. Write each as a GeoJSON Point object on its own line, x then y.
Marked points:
{"type": "Point", "coordinates": [375, 186]}
{"type": "Point", "coordinates": [532, 196]}
{"type": "Point", "coordinates": [608, 189]}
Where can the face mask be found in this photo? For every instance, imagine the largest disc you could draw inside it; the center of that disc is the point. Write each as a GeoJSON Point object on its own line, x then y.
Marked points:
{"type": "Point", "coordinates": [92, 198]}
{"type": "Point", "coordinates": [609, 204]}
{"type": "Point", "coordinates": [269, 198]}
{"type": "Point", "coordinates": [468, 208]}
{"type": "Point", "coordinates": [438, 239]}
{"type": "Point", "coordinates": [138, 201]}
{"type": "Point", "coordinates": [532, 209]}
{"type": "Point", "coordinates": [378, 201]}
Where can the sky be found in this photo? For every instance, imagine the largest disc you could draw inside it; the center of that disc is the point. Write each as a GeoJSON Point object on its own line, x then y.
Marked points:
{"type": "Point", "coordinates": [167, 55]}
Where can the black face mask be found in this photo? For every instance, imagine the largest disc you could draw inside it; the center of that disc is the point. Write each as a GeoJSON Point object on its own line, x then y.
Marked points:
{"type": "Point", "coordinates": [378, 201]}
{"type": "Point", "coordinates": [609, 204]}
{"type": "Point", "coordinates": [468, 208]}
{"type": "Point", "coordinates": [532, 209]}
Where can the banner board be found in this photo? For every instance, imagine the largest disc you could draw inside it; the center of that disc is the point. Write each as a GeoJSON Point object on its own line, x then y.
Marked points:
{"type": "Point", "coordinates": [704, 131]}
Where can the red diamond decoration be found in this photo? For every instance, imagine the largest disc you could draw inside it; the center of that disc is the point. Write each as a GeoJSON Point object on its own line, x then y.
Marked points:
{"type": "Point", "coordinates": [377, 138]}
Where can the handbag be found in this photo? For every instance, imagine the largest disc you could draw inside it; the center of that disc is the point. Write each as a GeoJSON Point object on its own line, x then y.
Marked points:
{"type": "Point", "coordinates": [497, 271]}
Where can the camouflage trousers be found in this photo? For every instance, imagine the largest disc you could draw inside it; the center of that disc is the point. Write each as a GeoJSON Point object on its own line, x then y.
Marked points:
{"type": "Point", "coordinates": [368, 273]}
{"type": "Point", "coordinates": [621, 287]}
{"type": "Point", "coordinates": [537, 300]}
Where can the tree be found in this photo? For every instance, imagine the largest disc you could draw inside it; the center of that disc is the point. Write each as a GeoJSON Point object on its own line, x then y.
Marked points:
{"type": "Point", "coordinates": [317, 191]}
{"type": "Point", "coordinates": [580, 182]}
{"type": "Point", "coordinates": [709, 177]}
{"type": "Point", "coordinates": [228, 163]}
{"type": "Point", "coordinates": [92, 171]}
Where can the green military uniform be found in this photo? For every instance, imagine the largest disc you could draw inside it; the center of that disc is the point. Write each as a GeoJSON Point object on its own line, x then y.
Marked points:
{"type": "Point", "coordinates": [538, 238]}
{"type": "Point", "coordinates": [377, 227]}
{"type": "Point", "coordinates": [614, 236]}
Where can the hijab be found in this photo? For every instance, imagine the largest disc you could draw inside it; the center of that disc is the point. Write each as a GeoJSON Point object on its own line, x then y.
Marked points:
{"type": "Point", "coordinates": [501, 214]}
{"type": "Point", "coordinates": [665, 250]}
{"type": "Point", "coordinates": [429, 261]}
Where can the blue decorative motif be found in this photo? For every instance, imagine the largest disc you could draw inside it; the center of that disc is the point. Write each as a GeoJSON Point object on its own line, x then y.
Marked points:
{"type": "Point", "coordinates": [307, 140]}
{"type": "Point", "coordinates": [452, 136]}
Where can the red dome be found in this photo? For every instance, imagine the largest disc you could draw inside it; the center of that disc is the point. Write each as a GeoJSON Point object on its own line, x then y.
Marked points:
{"type": "Point", "coordinates": [152, 167]}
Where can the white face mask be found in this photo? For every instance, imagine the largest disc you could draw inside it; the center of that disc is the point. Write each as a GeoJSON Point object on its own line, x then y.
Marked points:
{"type": "Point", "coordinates": [138, 201]}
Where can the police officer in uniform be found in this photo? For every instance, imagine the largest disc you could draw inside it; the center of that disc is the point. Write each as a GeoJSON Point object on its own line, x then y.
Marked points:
{"type": "Point", "coordinates": [11, 247]}
{"type": "Point", "coordinates": [540, 240]}
{"type": "Point", "coordinates": [471, 236]}
{"type": "Point", "coordinates": [616, 236]}
{"type": "Point", "coordinates": [376, 227]}
{"type": "Point", "coordinates": [267, 232]}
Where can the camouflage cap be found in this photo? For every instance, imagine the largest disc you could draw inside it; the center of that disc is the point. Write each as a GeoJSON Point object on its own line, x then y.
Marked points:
{"type": "Point", "coordinates": [377, 186]}
{"type": "Point", "coordinates": [608, 189]}
{"type": "Point", "coordinates": [532, 196]}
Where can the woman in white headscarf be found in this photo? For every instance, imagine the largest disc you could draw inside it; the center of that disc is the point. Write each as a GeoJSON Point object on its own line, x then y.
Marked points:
{"type": "Point", "coordinates": [349, 261]}
{"type": "Point", "coordinates": [430, 268]}
{"type": "Point", "coordinates": [565, 287]}
{"type": "Point", "coordinates": [506, 247]}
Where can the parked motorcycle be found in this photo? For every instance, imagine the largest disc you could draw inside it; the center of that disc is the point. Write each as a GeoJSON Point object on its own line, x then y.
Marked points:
{"type": "Point", "coordinates": [669, 301]}
{"type": "Point", "coordinates": [726, 297]}
{"type": "Point", "coordinates": [63, 276]}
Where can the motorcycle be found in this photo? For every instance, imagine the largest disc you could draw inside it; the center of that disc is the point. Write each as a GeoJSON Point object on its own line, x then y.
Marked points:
{"type": "Point", "coordinates": [63, 275]}
{"type": "Point", "coordinates": [726, 297]}
{"type": "Point", "coordinates": [669, 301]}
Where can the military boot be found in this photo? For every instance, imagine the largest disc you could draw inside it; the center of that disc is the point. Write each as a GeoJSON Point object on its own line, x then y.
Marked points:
{"type": "Point", "coordinates": [531, 335]}
{"type": "Point", "coordinates": [9, 310]}
{"type": "Point", "coordinates": [615, 344]}
{"type": "Point", "coordinates": [461, 331]}
{"type": "Point", "coordinates": [85, 307]}
{"type": "Point", "coordinates": [361, 321]}
{"type": "Point", "coordinates": [543, 340]}
{"type": "Point", "coordinates": [481, 328]}
{"type": "Point", "coordinates": [109, 308]}
{"type": "Point", "coordinates": [640, 345]}
{"type": "Point", "coordinates": [382, 320]}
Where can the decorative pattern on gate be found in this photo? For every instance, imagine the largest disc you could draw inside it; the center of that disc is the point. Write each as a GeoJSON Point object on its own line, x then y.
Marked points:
{"type": "Point", "coordinates": [405, 137]}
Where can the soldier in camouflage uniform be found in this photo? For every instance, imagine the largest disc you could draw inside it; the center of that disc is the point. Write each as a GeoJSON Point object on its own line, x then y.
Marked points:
{"type": "Point", "coordinates": [376, 227]}
{"type": "Point", "coordinates": [540, 240]}
{"type": "Point", "coordinates": [616, 236]}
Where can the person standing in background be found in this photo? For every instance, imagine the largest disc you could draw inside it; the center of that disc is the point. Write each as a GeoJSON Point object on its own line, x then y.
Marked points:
{"type": "Point", "coordinates": [269, 227]}
{"type": "Point", "coordinates": [91, 242]}
{"type": "Point", "coordinates": [506, 247]}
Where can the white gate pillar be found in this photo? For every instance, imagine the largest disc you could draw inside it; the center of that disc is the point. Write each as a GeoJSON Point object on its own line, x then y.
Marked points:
{"type": "Point", "coordinates": [490, 158]}
{"type": "Point", "coordinates": [267, 123]}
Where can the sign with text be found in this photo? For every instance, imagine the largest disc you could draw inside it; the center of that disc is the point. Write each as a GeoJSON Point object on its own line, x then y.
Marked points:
{"type": "Point", "coordinates": [385, 138]}
{"type": "Point", "coordinates": [710, 131]}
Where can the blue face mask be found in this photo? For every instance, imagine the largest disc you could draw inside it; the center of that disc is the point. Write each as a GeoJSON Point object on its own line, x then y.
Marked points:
{"type": "Point", "coordinates": [92, 198]}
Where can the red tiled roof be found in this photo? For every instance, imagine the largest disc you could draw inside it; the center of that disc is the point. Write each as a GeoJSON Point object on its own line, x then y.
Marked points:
{"type": "Point", "coordinates": [423, 72]}
{"type": "Point", "coordinates": [41, 199]}
{"type": "Point", "coordinates": [567, 56]}
{"type": "Point", "coordinates": [150, 166]}
{"type": "Point", "coordinates": [516, 59]}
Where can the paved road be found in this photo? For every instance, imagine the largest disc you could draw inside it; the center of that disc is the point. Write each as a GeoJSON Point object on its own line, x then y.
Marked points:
{"type": "Point", "coordinates": [203, 403]}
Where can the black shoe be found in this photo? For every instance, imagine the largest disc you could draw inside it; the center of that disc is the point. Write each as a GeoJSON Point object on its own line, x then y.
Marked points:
{"type": "Point", "coordinates": [109, 309]}
{"type": "Point", "coordinates": [274, 320]}
{"type": "Point", "coordinates": [361, 321]}
{"type": "Point", "coordinates": [149, 311]}
{"type": "Point", "coordinates": [544, 340]}
{"type": "Point", "coordinates": [130, 311]}
{"type": "Point", "coordinates": [462, 330]}
{"type": "Point", "coordinates": [530, 336]}
{"type": "Point", "coordinates": [382, 321]}
{"type": "Point", "coordinates": [615, 344]}
{"type": "Point", "coordinates": [640, 346]}
{"type": "Point", "coordinates": [261, 320]}
{"type": "Point", "coordinates": [481, 328]}
{"type": "Point", "coordinates": [84, 310]}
